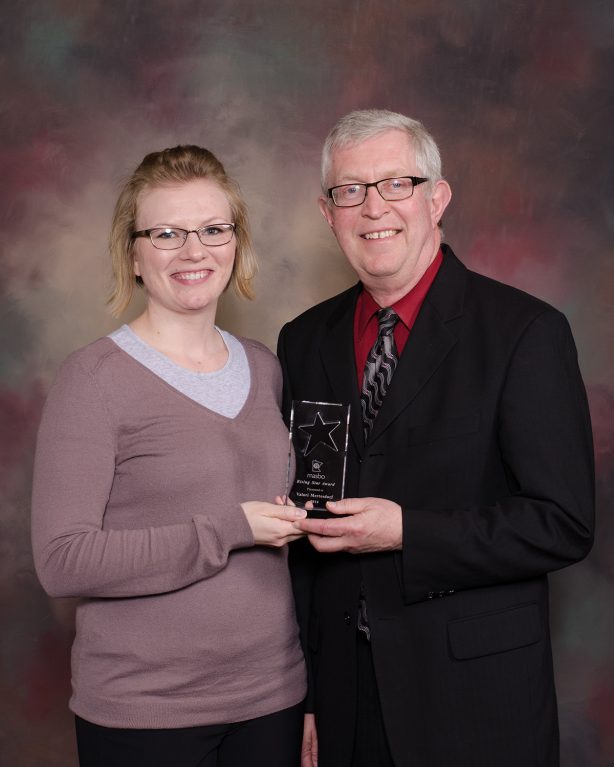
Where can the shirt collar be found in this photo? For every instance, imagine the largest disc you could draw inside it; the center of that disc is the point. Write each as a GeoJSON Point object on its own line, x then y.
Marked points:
{"type": "Point", "coordinates": [406, 307]}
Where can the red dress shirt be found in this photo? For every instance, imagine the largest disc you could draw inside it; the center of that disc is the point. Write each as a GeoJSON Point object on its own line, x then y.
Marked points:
{"type": "Point", "coordinates": [365, 321]}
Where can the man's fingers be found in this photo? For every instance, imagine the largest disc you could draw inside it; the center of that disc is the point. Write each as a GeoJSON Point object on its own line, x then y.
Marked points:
{"type": "Point", "coordinates": [317, 526]}
{"type": "Point", "coordinates": [348, 505]}
{"type": "Point", "coordinates": [326, 544]}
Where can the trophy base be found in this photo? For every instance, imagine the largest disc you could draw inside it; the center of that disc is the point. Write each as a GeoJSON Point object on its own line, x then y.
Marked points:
{"type": "Point", "coordinates": [317, 512]}
{"type": "Point", "coordinates": [323, 514]}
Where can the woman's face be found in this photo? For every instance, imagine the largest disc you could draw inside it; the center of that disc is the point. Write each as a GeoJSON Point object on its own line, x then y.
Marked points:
{"type": "Point", "coordinates": [192, 277]}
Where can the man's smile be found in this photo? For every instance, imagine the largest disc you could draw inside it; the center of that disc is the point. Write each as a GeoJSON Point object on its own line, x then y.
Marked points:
{"type": "Point", "coordinates": [381, 235]}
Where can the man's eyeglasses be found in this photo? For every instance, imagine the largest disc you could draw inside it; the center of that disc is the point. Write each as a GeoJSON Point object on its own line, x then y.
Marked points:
{"type": "Point", "coordinates": [171, 238]}
{"type": "Point", "coordinates": [390, 189]}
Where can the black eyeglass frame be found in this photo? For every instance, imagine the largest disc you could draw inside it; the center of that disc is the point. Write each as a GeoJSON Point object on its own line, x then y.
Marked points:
{"type": "Point", "coordinates": [415, 180]}
{"type": "Point", "coordinates": [147, 233]}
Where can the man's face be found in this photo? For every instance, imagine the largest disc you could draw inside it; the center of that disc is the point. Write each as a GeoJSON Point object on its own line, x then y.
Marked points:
{"type": "Point", "coordinates": [389, 244]}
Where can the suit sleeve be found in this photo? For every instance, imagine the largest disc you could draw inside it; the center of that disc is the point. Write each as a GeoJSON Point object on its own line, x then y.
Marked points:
{"type": "Point", "coordinates": [73, 475]}
{"type": "Point", "coordinates": [301, 555]}
{"type": "Point", "coordinates": [545, 444]}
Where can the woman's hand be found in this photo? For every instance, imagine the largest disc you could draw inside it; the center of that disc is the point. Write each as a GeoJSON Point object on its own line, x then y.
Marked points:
{"type": "Point", "coordinates": [271, 524]}
{"type": "Point", "coordinates": [285, 500]}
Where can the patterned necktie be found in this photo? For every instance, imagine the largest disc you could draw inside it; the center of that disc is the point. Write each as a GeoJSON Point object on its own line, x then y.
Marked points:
{"type": "Point", "coordinates": [380, 366]}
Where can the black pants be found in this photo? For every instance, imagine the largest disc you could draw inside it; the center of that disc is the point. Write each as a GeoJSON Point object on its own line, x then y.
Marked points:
{"type": "Point", "coordinates": [268, 741]}
{"type": "Point", "coordinates": [370, 741]}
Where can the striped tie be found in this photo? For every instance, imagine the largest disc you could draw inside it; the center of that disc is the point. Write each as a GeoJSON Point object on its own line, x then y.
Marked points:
{"type": "Point", "coordinates": [380, 366]}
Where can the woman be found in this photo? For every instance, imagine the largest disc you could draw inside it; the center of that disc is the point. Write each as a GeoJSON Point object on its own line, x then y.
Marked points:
{"type": "Point", "coordinates": [151, 442]}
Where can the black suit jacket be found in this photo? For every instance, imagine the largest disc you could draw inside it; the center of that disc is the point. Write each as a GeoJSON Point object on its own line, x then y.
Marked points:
{"type": "Point", "coordinates": [484, 440]}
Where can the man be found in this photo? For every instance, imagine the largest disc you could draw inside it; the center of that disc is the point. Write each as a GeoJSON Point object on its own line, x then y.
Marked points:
{"type": "Point", "coordinates": [424, 607]}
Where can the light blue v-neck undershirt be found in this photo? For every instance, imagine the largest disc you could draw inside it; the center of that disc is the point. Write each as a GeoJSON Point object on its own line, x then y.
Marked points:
{"type": "Point", "coordinates": [224, 391]}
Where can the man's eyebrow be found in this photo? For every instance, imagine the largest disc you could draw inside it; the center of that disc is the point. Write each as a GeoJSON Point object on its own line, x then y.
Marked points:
{"type": "Point", "coordinates": [355, 178]}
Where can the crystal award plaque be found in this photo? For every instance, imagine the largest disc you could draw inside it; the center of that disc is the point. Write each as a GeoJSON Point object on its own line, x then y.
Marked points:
{"type": "Point", "coordinates": [319, 434]}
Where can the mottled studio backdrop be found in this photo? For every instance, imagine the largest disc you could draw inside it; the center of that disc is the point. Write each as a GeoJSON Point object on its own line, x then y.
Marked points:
{"type": "Point", "coordinates": [520, 95]}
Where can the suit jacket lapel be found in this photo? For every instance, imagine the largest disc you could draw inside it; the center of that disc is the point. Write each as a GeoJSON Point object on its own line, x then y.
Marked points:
{"type": "Point", "coordinates": [429, 343]}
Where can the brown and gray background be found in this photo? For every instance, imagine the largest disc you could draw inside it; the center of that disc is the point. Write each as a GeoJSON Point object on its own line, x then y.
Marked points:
{"type": "Point", "coordinates": [519, 94]}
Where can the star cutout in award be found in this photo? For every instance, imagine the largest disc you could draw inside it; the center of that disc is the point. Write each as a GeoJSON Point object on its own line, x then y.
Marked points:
{"type": "Point", "coordinates": [320, 432]}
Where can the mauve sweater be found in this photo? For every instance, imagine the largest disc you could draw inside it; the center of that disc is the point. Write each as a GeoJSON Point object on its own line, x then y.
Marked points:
{"type": "Point", "coordinates": [136, 499]}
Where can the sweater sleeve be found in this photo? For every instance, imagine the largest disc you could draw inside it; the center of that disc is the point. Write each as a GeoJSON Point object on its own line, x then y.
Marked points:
{"type": "Point", "coordinates": [73, 476]}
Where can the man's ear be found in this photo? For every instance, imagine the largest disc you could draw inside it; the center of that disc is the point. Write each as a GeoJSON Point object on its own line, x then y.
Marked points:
{"type": "Point", "coordinates": [440, 198]}
{"type": "Point", "coordinates": [325, 210]}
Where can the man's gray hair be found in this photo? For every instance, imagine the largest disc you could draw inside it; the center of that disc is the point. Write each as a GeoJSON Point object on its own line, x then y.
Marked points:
{"type": "Point", "coordinates": [366, 123]}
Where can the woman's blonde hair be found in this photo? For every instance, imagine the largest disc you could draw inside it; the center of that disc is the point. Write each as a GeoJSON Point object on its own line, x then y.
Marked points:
{"type": "Point", "coordinates": [171, 166]}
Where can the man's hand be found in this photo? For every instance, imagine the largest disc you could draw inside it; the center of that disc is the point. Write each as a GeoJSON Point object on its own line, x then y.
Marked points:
{"type": "Point", "coordinates": [309, 749]}
{"type": "Point", "coordinates": [372, 524]}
